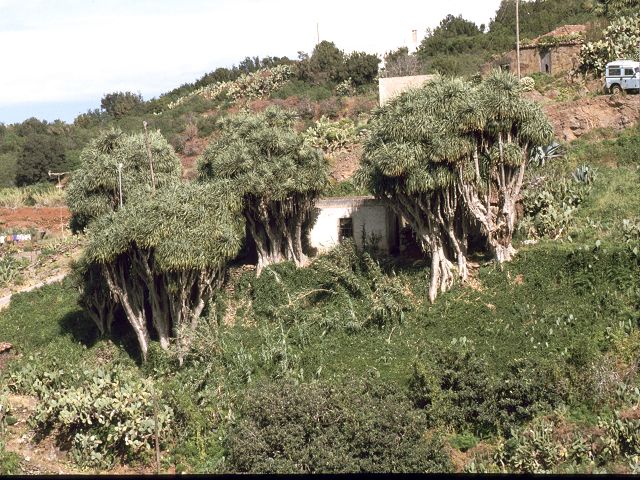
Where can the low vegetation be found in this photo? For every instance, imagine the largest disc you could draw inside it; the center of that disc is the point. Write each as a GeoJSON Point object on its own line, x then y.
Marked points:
{"type": "Point", "coordinates": [543, 379]}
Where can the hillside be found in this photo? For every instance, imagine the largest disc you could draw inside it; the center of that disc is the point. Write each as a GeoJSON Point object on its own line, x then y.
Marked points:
{"type": "Point", "coordinates": [559, 324]}
{"type": "Point", "coordinates": [174, 316]}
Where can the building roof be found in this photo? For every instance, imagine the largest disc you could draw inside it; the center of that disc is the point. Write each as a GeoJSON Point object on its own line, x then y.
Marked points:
{"type": "Point", "coordinates": [563, 31]}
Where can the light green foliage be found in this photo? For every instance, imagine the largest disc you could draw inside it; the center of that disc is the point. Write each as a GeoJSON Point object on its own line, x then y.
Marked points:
{"type": "Point", "coordinates": [105, 414]}
{"type": "Point", "coordinates": [527, 84]}
{"type": "Point", "coordinates": [9, 462]}
{"type": "Point", "coordinates": [620, 42]}
{"type": "Point", "coordinates": [181, 224]}
{"type": "Point", "coordinates": [331, 136]}
{"type": "Point", "coordinates": [171, 250]}
{"type": "Point", "coordinates": [277, 177]}
{"type": "Point", "coordinates": [346, 271]}
{"type": "Point", "coordinates": [550, 209]}
{"type": "Point", "coordinates": [631, 235]}
{"type": "Point", "coordinates": [532, 450]}
{"type": "Point", "coordinates": [264, 157]}
{"type": "Point", "coordinates": [441, 153]}
{"type": "Point", "coordinates": [10, 269]}
{"type": "Point", "coordinates": [94, 187]}
{"type": "Point", "coordinates": [346, 88]}
{"type": "Point", "coordinates": [246, 87]}
{"type": "Point", "coordinates": [40, 195]}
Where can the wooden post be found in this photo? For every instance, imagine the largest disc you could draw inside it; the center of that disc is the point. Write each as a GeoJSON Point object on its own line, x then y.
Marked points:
{"type": "Point", "coordinates": [59, 175]}
{"type": "Point", "coordinates": [146, 141]}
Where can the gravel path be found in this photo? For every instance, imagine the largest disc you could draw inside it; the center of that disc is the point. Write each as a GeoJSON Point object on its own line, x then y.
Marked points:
{"type": "Point", "coordinates": [4, 301]}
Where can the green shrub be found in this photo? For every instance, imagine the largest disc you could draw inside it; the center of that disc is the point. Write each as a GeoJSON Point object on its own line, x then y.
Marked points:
{"type": "Point", "coordinates": [328, 428]}
{"type": "Point", "coordinates": [10, 270]}
{"type": "Point", "coordinates": [550, 210]}
{"type": "Point", "coordinates": [103, 414]}
{"type": "Point", "coordinates": [528, 387]}
{"type": "Point", "coordinates": [532, 449]}
{"type": "Point", "coordinates": [9, 461]}
{"type": "Point", "coordinates": [454, 386]}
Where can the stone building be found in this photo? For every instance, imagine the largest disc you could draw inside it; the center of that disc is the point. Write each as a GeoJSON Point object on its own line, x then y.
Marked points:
{"type": "Point", "coordinates": [555, 52]}
{"type": "Point", "coordinates": [369, 222]}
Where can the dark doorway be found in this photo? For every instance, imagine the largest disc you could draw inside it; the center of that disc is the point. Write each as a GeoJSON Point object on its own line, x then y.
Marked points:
{"type": "Point", "coordinates": [545, 61]}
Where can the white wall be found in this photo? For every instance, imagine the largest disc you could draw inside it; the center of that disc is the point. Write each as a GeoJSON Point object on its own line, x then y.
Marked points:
{"type": "Point", "coordinates": [391, 86]}
{"type": "Point", "coordinates": [366, 212]}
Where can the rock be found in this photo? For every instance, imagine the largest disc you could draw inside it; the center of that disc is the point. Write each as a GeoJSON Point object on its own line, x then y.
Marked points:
{"type": "Point", "coordinates": [5, 347]}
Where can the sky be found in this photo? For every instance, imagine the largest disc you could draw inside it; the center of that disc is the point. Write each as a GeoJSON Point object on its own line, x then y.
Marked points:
{"type": "Point", "coordinates": [59, 57]}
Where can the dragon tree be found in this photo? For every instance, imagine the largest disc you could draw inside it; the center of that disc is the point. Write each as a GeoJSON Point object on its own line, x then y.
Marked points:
{"type": "Point", "coordinates": [161, 258]}
{"type": "Point", "coordinates": [450, 157]}
{"type": "Point", "coordinates": [276, 175]}
{"type": "Point", "coordinates": [115, 162]}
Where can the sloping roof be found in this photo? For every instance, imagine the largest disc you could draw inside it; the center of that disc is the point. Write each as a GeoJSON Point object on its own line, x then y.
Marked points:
{"type": "Point", "coordinates": [562, 31]}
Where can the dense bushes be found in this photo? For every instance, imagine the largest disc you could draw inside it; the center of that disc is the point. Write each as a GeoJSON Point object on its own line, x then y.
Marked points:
{"type": "Point", "coordinates": [456, 388]}
{"type": "Point", "coordinates": [328, 428]}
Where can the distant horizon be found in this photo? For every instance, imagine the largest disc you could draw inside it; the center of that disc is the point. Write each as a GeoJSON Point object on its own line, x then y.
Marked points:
{"type": "Point", "coordinates": [64, 56]}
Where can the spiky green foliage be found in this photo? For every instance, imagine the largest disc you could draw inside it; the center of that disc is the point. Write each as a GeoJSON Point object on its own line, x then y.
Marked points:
{"type": "Point", "coordinates": [437, 153]}
{"type": "Point", "coordinates": [163, 257]}
{"type": "Point", "coordinates": [620, 40]}
{"type": "Point", "coordinates": [94, 187]}
{"type": "Point", "coordinates": [277, 176]}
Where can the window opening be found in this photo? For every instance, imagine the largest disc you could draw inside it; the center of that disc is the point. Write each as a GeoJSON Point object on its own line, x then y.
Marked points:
{"type": "Point", "coordinates": [345, 230]}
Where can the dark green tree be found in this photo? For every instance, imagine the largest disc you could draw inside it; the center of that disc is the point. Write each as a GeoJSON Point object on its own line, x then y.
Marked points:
{"type": "Point", "coordinates": [275, 174]}
{"type": "Point", "coordinates": [118, 104]}
{"type": "Point", "coordinates": [327, 62]}
{"type": "Point", "coordinates": [323, 427]}
{"type": "Point", "coordinates": [362, 67]}
{"type": "Point", "coordinates": [616, 8]}
{"type": "Point", "coordinates": [31, 126]}
{"type": "Point", "coordinates": [40, 154]}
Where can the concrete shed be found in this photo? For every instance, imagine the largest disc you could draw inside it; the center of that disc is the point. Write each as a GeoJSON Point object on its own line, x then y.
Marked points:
{"type": "Point", "coordinates": [369, 222]}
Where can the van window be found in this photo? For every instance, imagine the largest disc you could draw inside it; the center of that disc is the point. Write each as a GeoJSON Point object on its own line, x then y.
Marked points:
{"type": "Point", "coordinates": [628, 72]}
{"type": "Point", "coordinates": [615, 71]}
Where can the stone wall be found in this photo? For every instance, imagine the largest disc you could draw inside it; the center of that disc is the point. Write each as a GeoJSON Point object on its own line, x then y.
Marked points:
{"type": "Point", "coordinates": [558, 59]}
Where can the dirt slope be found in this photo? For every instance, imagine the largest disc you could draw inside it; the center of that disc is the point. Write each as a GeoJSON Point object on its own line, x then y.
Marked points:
{"type": "Point", "coordinates": [574, 118]}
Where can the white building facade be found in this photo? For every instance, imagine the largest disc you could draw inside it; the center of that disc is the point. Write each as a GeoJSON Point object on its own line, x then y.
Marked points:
{"type": "Point", "coordinates": [369, 222]}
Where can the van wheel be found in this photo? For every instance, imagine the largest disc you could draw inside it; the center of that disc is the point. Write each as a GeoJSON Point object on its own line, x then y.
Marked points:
{"type": "Point", "coordinates": [615, 89]}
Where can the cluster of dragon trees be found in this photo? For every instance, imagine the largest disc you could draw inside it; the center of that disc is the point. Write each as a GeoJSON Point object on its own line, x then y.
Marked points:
{"type": "Point", "coordinates": [449, 158]}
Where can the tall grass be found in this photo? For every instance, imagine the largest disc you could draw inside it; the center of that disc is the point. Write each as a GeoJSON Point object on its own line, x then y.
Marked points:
{"type": "Point", "coordinates": [42, 195]}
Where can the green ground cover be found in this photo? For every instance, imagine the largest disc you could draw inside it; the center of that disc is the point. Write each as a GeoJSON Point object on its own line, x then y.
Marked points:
{"type": "Point", "coordinates": [549, 340]}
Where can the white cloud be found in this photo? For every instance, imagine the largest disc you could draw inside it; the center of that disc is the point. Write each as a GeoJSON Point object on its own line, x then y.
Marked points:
{"type": "Point", "coordinates": [70, 50]}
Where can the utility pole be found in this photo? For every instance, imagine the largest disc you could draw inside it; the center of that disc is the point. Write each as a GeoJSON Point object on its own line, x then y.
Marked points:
{"type": "Point", "coordinates": [146, 141]}
{"type": "Point", "coordinates": [318, 32]}
{"type": "Point", "coordinates": [518, 36]}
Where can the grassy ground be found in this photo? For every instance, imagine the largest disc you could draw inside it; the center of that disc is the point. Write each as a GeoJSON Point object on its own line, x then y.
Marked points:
{"type": "Point", "coordinates": [571, 303]}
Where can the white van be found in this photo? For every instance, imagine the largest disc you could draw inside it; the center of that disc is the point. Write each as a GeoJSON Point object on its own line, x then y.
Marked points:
{"type": "Point", "coordinates": [622, 75]}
